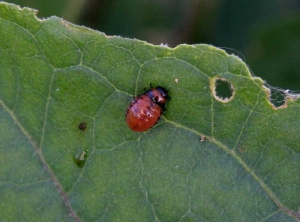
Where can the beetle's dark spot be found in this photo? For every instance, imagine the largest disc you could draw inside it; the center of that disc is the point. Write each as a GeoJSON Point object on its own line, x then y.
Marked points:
{"type": "Point", "coordinates": [82, 126]}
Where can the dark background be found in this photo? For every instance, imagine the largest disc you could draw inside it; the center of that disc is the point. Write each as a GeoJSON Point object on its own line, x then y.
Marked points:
{"type": "Point", "coordinates": [264, 33]}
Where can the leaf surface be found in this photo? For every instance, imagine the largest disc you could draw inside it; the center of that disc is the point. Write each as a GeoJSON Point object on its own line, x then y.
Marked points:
{"type": "Point", "coordinates": [67, 153]}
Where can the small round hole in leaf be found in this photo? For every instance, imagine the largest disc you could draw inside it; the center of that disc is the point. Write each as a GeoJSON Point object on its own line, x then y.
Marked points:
{"type": "Point", "coordinates": [223, 90]}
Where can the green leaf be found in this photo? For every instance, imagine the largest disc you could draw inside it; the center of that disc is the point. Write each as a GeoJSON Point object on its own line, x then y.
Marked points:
{"type": "Point", "coordinates": [67, 153]}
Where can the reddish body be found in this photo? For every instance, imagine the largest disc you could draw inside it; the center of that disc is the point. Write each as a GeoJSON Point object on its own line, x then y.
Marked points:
{"type": "Point", "coordinates": [145, 110]}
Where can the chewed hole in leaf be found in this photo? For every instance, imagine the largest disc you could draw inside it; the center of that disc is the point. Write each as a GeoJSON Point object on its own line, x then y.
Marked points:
{"type": "Point", "coordinates": [80, 158]}
{"type": "Point", "coordinates": [278, 98]}
{"type": "Point", "coordinates": [223, 90]}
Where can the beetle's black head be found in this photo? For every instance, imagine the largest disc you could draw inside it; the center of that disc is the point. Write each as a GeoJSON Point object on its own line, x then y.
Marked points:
{"type": "Point", "coordinates": [163, 92]}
